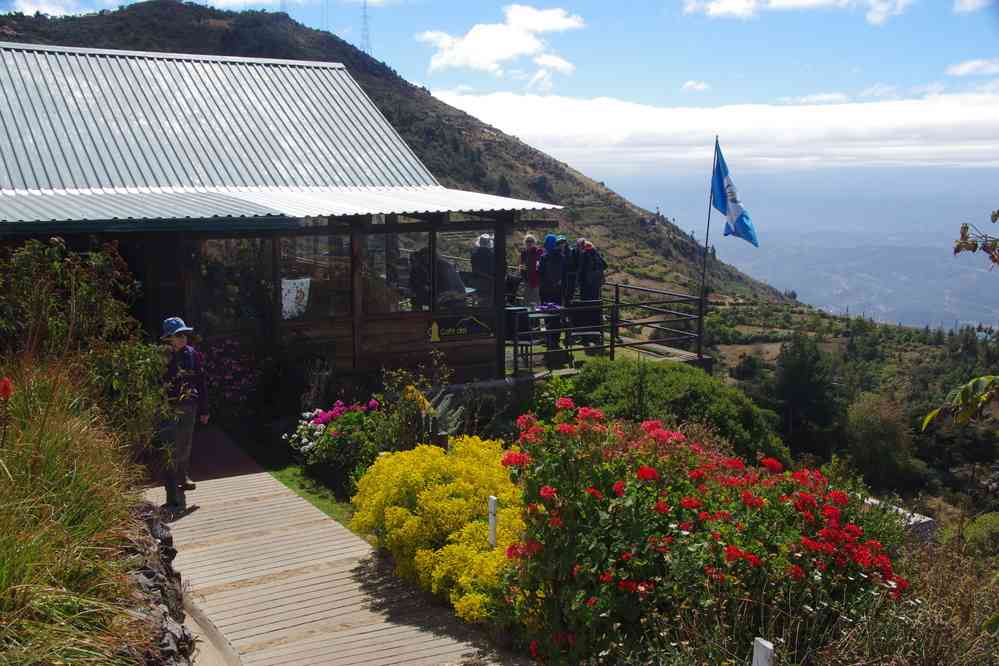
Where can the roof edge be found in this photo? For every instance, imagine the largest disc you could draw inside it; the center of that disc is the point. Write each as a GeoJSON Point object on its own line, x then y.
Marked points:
{"type": "Point", "coordinates": [156, 55]}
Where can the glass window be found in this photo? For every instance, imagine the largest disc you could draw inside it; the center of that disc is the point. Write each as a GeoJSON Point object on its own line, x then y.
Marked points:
{"type": "Point", "coordinates": [233, 285]}
{"type": "Point", "coordinates": [396, 272]}
{"type": "Point", "coordinates": [315, 277]}
{"type": "Point", "coordinates": [465, 270]}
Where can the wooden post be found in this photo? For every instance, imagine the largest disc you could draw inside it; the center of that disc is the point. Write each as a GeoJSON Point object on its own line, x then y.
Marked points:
{"type": "Point", "coordinates": [357, 253]}
{"type": "Point", "coordinates": [276, 294]}
{"type": "Point", "coordinates": [499, 296]}
{"type": "Point", "coordinates": [763, 653]}
{"type": "Point", "coordinates": [615, 315]}
{"type": "Point", "coordinates": [492, 521]}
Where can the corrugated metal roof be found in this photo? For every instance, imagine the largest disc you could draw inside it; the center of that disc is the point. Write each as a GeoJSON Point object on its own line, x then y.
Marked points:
{"type": "Point", "coordinates": [89, 134]}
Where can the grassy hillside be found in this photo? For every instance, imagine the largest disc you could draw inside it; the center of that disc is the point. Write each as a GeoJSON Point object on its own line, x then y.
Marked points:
{"type": "Point", "coordinates": [460, 150]}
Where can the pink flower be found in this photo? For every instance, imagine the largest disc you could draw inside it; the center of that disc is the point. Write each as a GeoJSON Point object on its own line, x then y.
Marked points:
{"type": "Point", "coordinates": [565, 403]}
{"type": "Point", "coordinates": [373, 405]}
{"type": "Point", "coordinates": [590, 414]}
{"type": "Point", "coordinates": [547, 492]}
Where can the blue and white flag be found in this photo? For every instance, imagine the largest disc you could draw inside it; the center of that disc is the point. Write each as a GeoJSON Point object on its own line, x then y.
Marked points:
{"type": "Point", "coordinates": [726, 200]}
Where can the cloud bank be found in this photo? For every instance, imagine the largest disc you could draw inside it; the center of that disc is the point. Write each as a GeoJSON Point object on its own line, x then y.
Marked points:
{"type": "Point", "coordinates": [624, 137]}
{"type": "Point", "coordinates": [877, 11]}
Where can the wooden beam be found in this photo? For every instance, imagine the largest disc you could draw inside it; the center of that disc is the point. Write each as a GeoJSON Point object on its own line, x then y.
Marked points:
{"type": "Point", "coordinates": [499, 291]}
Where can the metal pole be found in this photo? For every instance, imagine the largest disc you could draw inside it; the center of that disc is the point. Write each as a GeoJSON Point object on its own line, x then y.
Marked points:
{"type": "Point", "coordinates": [704, 260]}
{"type": "Point", "coordinates": [615, 317]}
{"type": "Point", "coordinates": [492, 521]}
{"type": "Point", "coordinates": [763, 653]}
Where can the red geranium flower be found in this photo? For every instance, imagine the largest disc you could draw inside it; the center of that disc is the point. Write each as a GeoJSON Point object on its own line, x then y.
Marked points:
{"type": "Point", "coordinates": [626, 555]}
{"type": "Point", "coordinates": [591, 602]}
{"type": "Point", "coordinates": [733, 463]}
{"type": "Point", "coordinates": [565, 403]}
{"type": "Point", "coordinates": [590, 414]}
{"type": "Point", "coordinates": [662, 507]}
{"type": "Point", "coordinates": [752, 501]}
{"type": "Point", "coordinates": [566, 429]}
{"type": "Point", "coordinates": [646, 473]}
{"type": "Point", "coordinates": [628, 585]}
{"type": "Point", "coordinates": [646, 586]}
{"type": "Point", "coordinates": [691, 503]}
{"type": "Point", "coordinates": [651, 426]}
{"type": "Point", "coordinates": [555, 521]}
{"type": "Point", "coordinates": [547, 492]}
{"type": "Point", "coordinates": [732, 553]}
{"type": "Point", "coordinates": [532, 547]}
{"type": "Point", "coordinates": [773, 465]}
{"type": "Point", "coordinates": [525, 421]}
{"type": "Point", "coordinates": [534, 649]}
{"type": "Point", "coordinates": [6, 388]}
{"type": "Point", "coordinates": [596, 494]}
{"type": "Point", "coordinates": [619, 488]}
{"type": "Point", "coordinates": [695, 474]}
{"type": "Point", "coordinates": [607, 577]}
{"type": "Point", "coordinates": [838, 497]}
{"type": "Point", "coordinates": [796, 572]}
{"type": "Point", "coordinates": [515, 459]}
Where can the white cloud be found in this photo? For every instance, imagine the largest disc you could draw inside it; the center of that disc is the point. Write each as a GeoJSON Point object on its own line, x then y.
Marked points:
{"type": "Point", "coordinates": [974, 68]}
{"type": "Point", "coordinates": [550, 61]}
{"type": "Point", "coordinates": [818, 98]}
{"type": "Point", "coordinates": [967, 6]}
{"type": "Point", "coordinates": [695, 86]}
{"type": "Point", "coordinates": [541, 81]}
{"type": "Point", "coordinates": [878, 11]}
{"type": "Point", "coordinates": [50, 7]}
{"type": "Point", "coordinates": [621, 137]}
{"type": "Point", "coordinates": [488, 46]}
{"type": "Point", "coordinates": [881, 90]}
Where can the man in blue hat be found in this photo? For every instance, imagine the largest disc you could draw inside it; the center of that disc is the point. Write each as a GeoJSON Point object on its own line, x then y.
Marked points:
{"type": "Point", "coordinates": [186, 391]}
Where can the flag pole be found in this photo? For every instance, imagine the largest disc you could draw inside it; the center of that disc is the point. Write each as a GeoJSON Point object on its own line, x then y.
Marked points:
{"type": "Point", "coordinates": [704, 260]}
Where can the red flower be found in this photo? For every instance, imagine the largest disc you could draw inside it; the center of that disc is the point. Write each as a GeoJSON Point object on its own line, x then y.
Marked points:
{"type": "Point", "coordinates": [773, 465]}
{"type": "Point", "coordinates": [566, 429]}
{"type": "Point", "coordinates": [646, 586]}
{"type": "Point", "coordinates": [591, 602]}
{"type": "Point", "coordinates": [619, 488]}
{"type": "Point", "coordinates": [732, 553]}
{"type": "Point", "coordinates": [531, 548]}
{"type": "Point", "coordinates": [513, 551]}
{"type": "Point", "coordinates": [515, 459]}
{"type": "Point", "coordinates": [752, 501]}
{"type": "Point", "coordinates": [651, 426]}
{"type": "Point", "coordinates": [590, 414]}
{"type": "Point", "coordinates": [703, 516]}
{"type": "Point", "coordinates": [854, 532]}
{"type": "Point", "coordinates": [628, 585]}
{"type": "Point", "coordinates": [796, 572]}
{"type": "Point", "coordinates": [555, 521]}
{"type": "Point", "coordinates": [534, 649]}
{"type": "Point", "coordinates": [626, 555]}
{"type": "Point", "coordinates": [646, 473]}
{"type": "Point", "coordinates": [607, 577]}
{"type": "Point", "coordinates": [733, 463]}
{"type": "Point", "coordinates": [754, 561]}
{"type": "Point", "coordinates": [565, 403]}
{"type": "Point", "coordinates": [832, 515]}
{"type": "Point", "coordinates": [525, 421]}
{"type": "Point", "coordinates": [838, 497]}
{"type": "Point", "coordinates": [6, 388]}
{"type": "Point", "coordinates": [596, 494]}
{"type": "Point", "coordinates": [686, 526]}
{"type": "Point", "coordinates": [547, 492]}
{"type": "Point", "coordinates": [695, 474]}
{"type": "Point", "coordinates": [662, 507]}
{"type": "Point", "coordinates": [691, 503]}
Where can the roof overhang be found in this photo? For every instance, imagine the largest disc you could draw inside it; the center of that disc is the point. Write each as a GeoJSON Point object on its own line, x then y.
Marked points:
{"type": "Point", "coordinates": [244, 204]}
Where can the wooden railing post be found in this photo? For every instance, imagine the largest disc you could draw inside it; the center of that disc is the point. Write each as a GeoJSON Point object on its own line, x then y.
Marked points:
{"type": "Point", "coordinates": [615, 318]}
{"type": "Point", "coordinates": [763, 653]}
{"type": "Point", "coordinates": [492, 521]}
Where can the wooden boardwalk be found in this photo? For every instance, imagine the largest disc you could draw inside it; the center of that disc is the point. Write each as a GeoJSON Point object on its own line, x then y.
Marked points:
{"type": "Point", "coordinates": [276, 581]}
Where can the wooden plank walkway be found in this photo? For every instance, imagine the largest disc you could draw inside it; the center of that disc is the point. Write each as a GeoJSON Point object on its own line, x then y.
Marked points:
{"type": "Point", "coordinates": [279, 582]}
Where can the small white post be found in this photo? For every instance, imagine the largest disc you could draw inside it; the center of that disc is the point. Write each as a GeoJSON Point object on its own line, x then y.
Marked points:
{"type": "Point", "coordinates": [492, 521]}
{"type": "Point", "coordinates": [763, 653]}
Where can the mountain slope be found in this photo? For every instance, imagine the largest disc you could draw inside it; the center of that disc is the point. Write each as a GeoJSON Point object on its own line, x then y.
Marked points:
{"type": "Point", "coordinates": [460, 150]}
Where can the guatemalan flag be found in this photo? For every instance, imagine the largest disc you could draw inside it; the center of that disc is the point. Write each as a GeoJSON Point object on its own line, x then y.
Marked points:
{"type": "Point", "coordinates": [726, 200]}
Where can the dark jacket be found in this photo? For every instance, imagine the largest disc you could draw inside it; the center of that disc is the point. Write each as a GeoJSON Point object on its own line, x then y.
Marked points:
{"type": "Point", "coordinates": [483, 261]}
{"type": "Point", "coordinates": [185, 379]}
{"type": "Point", "coordinates": [591, 274]}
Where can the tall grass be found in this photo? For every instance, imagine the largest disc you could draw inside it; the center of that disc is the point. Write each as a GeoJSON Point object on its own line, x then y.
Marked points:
{"type": "Point", "coordinates": [66, 492]}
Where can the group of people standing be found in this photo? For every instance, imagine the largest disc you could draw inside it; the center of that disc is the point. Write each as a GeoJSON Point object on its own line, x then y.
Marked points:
{"type": "Point", "coordinates": [556, 271]}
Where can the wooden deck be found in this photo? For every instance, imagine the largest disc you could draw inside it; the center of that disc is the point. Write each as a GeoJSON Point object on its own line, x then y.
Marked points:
{"type": "Point", "coordinates": [276, 581]}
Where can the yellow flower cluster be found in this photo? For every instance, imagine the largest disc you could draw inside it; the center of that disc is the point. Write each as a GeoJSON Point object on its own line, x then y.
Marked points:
{"type": "Point", "coordinates": [429, 509]}
{"type": "Point", "coordinates": [414, 395]}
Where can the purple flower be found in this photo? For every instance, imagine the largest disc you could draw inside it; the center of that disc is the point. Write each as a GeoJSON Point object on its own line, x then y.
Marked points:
{"type": "Point", "coordinates": [373, 405]}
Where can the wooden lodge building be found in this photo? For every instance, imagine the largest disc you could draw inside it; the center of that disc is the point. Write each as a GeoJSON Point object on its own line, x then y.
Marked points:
{"type": "Point", "coordinates": [263, 199]}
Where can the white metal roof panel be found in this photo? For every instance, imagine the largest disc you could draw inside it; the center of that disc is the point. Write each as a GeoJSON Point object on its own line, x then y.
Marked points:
{"type": "Point", "coordinates": [195, 205]}
{"type": "Point", "coordinates": [91, 134]}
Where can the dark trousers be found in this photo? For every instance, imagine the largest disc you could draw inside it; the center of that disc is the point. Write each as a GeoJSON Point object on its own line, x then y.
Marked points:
{"type": "Point", "coordinates": [179, 453]}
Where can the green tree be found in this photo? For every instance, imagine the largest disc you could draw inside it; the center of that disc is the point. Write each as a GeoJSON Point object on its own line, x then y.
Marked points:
{"type": "Point", "coordinates": [880, 440]}
{"type": "Point", "coordinates": [804, 387]}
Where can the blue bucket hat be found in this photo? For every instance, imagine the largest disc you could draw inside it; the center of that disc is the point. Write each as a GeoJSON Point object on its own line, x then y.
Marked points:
{"type": "Point", "coordinates": [172, 326]}
{"type": "Point", "coordinates": [550, 242]}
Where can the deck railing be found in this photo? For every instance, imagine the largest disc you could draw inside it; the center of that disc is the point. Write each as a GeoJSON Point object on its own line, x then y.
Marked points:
{"type": "Point", "coordinates": [618, 320]}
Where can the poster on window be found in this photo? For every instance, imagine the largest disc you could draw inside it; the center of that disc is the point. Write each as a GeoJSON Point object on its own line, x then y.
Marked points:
{"type": "Point", "coordinates": [294, 297]}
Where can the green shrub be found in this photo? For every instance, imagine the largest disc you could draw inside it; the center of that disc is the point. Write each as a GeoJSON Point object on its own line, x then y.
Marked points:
{"type": "Point", "coordinates": [680, 393]}
{"type": "Point", "coordinates": [982, 534]}
{"type": "Point", "coordinates": [880, 441]}
{"type": "Point", "coordinates": [67, 490]}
